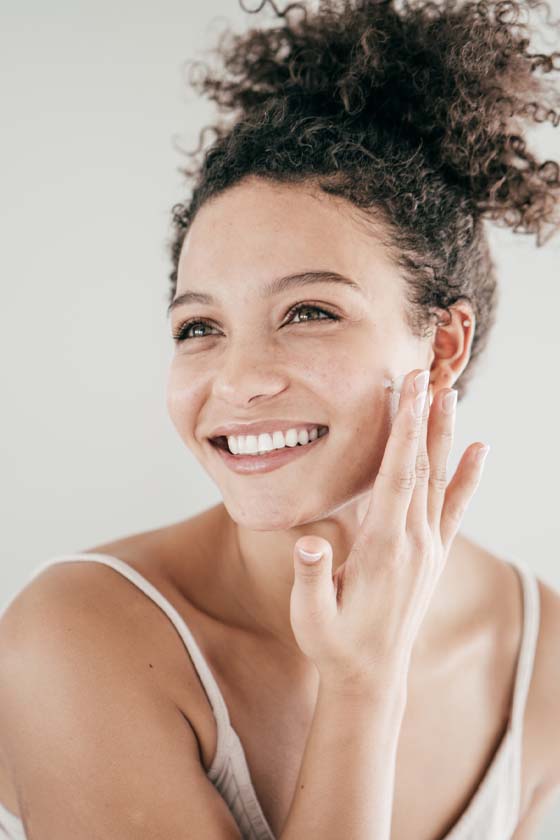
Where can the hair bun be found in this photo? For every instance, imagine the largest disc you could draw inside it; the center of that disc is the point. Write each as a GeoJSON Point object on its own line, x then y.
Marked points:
{"type": "Point", "coordinates": [453, 82]}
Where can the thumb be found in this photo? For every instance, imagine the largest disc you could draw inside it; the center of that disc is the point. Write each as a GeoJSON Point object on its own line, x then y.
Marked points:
{"type": "Point", "coordinates": [313, 591]}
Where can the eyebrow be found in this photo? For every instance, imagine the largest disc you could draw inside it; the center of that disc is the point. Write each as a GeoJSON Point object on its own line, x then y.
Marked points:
{"type": "Point", "coordinates": [273, 287]}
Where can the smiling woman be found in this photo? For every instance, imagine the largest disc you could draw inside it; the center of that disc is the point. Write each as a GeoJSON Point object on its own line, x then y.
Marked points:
{"type": "Point", "coordinates": [325, 637]}
{"type": "Point", "coordinates": [375, 104]}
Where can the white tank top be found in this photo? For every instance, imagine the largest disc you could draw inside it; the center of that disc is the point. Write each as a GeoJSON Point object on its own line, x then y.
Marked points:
{"type": "Point", "coordinates": [493, 811]}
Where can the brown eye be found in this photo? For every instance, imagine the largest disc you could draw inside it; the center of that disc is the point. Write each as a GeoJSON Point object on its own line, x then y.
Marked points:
{"type": "Point", "coordinates": [301, 307]}
{"type": "Point", "coordinates": [181, 334]}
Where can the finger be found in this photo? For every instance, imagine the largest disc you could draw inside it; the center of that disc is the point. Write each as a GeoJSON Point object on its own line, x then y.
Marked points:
{"type": "Point", "coordinates": [313, 595]}
{"type": "Point", "coordinates": [394, 483]}
{"type": "Point", "coordinates": [440, 439]}
{"type": "Point", "coordinates": [459, 493]}
{"type": "Point", "coordinates": [417, 516]}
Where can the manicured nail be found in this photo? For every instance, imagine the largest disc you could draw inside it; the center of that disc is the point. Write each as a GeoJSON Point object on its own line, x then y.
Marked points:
{"type": "Point", "coordinates": [421, 381]}
{"type": "Point", "coordinates": [449, 402]}
{"type": "Point", "coordinates": [308, 556]}
{"type": "Point", "coordinates": [418, 404]}
{"type": "Point", "coordinates": [481, 454]}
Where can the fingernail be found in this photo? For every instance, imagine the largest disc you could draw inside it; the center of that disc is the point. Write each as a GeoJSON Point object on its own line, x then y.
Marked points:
{"type": "Point", "coordinates": [449, 402]}
{"type": "Point", "coordinates": [481, 454]}
{"type": "Point", "coordinates": [421, 381]}
{"type": "Point", "coordinates": [308, 556]}
{"type": "Point", "coordinates": [418, 404]}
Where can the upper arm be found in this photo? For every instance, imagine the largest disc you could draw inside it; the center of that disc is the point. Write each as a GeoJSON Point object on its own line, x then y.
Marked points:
{"type": "Point", "coordinates": [96, 749]}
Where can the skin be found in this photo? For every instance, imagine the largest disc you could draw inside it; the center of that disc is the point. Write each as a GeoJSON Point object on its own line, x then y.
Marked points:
{"type": "Point", "coordinates": [252, 364]}
{"type": "Point", "coordinates": [231, 568]}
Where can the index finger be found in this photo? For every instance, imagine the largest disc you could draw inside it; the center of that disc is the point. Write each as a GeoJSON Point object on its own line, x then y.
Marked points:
{"type": "Point", "coordinates": [394, 484]}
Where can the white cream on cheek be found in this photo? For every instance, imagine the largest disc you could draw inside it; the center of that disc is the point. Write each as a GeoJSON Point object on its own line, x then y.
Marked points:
{"type": "Point", "coordinates": [394, 386]}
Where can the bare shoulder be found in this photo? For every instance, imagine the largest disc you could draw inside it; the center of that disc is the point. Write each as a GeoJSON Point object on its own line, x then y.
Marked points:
{"type": "Point", "coordinates": [85, 706]}
{"type": "Point", "coordinates": [503, 594]}
{"type": "Point", "coordinates": [541, 721]}
{"type": "Point", "coordinates": [89, 601]}
{"type": "Point", "coordinates": [107, 605]}
{"type": "Point", "coordinates": [70, 618]}
{"type": "Point", "coordinates": [94, 601]}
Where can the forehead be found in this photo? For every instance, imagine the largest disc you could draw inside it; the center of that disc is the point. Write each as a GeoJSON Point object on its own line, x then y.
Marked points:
{"type": "Point", "coordinates": [258, 229]}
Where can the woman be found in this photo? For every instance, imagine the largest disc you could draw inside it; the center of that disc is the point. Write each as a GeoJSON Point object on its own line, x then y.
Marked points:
{"type": "Point", "coordinates": [331, 291]}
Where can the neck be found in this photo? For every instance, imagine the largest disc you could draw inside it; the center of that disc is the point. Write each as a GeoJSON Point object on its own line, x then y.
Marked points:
{"type": "Point", "coordinates": [256, 570]}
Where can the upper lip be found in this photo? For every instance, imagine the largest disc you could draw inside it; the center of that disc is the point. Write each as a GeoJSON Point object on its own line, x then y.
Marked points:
{"type": "Point", "coordinates": [259, 427]}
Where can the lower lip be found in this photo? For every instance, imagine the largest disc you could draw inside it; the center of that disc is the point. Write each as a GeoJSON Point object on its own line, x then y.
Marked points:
{"type": "Point", "coordinates": [249, 464]}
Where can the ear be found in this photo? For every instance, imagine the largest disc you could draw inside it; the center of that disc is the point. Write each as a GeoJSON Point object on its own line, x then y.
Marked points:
{"type": "Point", "coordinates": [451, 345]}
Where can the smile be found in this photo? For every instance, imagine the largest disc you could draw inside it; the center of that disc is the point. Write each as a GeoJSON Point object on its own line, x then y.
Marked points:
{"type": "Point", "coordinates": [249, 464]}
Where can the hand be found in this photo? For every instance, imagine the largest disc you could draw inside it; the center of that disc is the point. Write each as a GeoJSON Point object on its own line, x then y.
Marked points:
{"type": "Point", "coordinates": [361, 623]}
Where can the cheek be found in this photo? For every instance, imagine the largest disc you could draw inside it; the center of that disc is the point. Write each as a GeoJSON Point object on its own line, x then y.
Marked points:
{"type": "Point", "coordinates": [180, 399]}
{"type": "Point", "coordinates": [335, 368]}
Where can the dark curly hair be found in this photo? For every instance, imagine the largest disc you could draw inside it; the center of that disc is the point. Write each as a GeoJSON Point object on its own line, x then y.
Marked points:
{"type": "Point", "coordinates": [412, 114]}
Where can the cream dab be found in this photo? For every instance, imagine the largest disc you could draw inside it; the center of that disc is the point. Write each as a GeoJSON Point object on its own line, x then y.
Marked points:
{"type": "Point", "coordinates": [394, 386]}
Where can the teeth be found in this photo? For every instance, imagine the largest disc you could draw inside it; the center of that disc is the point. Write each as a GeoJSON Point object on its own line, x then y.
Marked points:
{"type": "Point", "coordinates": [303, 437]}
{"type": "Point", "coordinates": [260, 444]}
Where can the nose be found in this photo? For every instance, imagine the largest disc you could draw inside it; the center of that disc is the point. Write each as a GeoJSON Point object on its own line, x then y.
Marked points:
{"type": "Point", "coordinates": [248, 371]}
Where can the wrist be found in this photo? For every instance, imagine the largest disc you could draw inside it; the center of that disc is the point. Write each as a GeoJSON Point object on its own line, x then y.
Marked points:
{"type": "Point", "coordinates": [390, 688]}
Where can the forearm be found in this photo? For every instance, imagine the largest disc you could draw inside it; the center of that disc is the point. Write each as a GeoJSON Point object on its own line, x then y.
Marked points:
{"type": "Point", "coordinates": [345, 785]}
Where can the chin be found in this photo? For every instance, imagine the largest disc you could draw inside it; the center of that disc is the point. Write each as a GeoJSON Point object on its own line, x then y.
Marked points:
{"type": "Point", "coordinates": [278, 518]}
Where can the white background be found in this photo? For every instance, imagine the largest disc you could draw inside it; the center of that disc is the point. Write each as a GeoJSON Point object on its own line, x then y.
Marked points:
{"type": "Point", "coordinates": [93, 104]}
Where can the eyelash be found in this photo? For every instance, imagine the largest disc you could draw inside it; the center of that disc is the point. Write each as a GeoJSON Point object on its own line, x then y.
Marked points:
{"type": "Point", "coordinates": [180, 334]}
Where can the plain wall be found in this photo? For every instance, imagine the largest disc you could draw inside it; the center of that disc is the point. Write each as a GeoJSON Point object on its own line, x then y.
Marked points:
{"type": "Point", "coordinates": [94, 102]}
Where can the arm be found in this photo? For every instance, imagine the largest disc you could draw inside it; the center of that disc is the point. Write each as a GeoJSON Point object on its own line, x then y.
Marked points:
{"type": "Point", "coordinates": [346, 780]}
{"type": "Point", "coordinates": [96, 748]}
{"type": "Point", "coordinates": [361, 622]}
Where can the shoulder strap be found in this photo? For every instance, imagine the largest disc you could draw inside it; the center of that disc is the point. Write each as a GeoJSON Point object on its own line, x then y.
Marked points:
{"type": "Point", "coordinates": [207, 679]}
{"type": "Point", "coordinates": [531, 621]}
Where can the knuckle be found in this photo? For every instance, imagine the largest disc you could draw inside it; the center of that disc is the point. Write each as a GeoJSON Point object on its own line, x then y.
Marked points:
{"type": "Point", "coordinates": [412, 433]}
{"type": "Point", "coordinates": [446, 434]}
{"type": "Point", "coordinates": [393, 549]}
{"type": "Point", "coordinates": [455, 511]}
{"type": "Point", "coordinates": [394, 542]}
{"type": "Point", "coordinates": [438, 479]}
{"type": "Point", "coordinates": [388, 542]}
{"type": "Point", "coordinates": [422, 468]}
{"type": "Point", "coordinates": [403, 482]}
{"type": "Point", "coordinates": [420, 542]}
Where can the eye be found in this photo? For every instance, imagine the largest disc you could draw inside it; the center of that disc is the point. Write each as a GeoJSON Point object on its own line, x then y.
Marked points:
{"type": "Point", "coordinates": [181, 334]}
{"type": "Point", "coordinates": [301, 307]}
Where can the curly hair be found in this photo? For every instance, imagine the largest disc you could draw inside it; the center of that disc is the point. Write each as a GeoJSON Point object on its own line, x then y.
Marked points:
{"type": "Point", "coordinates": [413, 113]}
